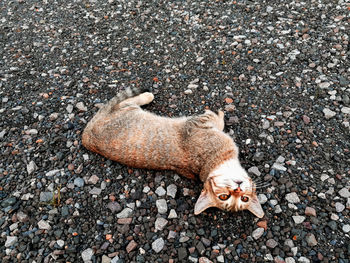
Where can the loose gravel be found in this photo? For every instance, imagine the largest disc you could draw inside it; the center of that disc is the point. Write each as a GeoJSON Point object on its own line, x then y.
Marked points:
{"type": "Point", "coordinates": [279, 69]}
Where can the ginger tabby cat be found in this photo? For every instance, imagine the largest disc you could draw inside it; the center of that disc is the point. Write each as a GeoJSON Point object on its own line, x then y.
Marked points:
{"type": "Point", "coordinates": [190, 146]}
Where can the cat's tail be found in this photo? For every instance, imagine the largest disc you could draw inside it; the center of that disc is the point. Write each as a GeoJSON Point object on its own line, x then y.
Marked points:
{"type": "Point", "coordinates": [113, 104]}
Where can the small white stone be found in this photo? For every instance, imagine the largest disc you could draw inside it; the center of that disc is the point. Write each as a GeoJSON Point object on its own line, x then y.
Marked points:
{"type": "Point", "coordinates": [87, 254]}
{"type": "Point", "coordinates": [162, 206]}
{"type": "Point", "coordinates": [344, 192]}
{"type": "Point", "coordinates": [171, 190]}
{"type": "Point", "coordinates": [298, 219]}
{"type": "Point", "coordinates": [69, 108]}
{"type": "Point", "coordinates": [346, 228]}
{"type": "Point", "coordinates": [31, 167]}
{"type": "Point", "coordinates": [303, 260]}
{"type": "Point", "coordinates": [328, 114]}
{"type": "Point", "coordinates": [334, 217]}
{"type": "Point", "coordinates": [10, 241]}
{"type": "Point", "coordinates": [278, 209]}
{"type": "Point", "coordinates": [160, 223]}
{"type": "Point", "coordinates": [262, 198]}
{"type": "Point", "coordinates": [172, 214]}
{"type": "Point", "coordinates": [158, 245]}
{"type": "Point", "coordinates": [44, 225]}
{"type": "Point", "coordinates": [160, 191]}
{"type": "Point", "coordinates": [146, 189]}
{"type": "Point", "coordinates": [345, 110]}
{"type": "Point", "coordinates": [292, 198]}
{"type": "Point", "coordinates": [289, 260]}
{"type": "Point", "coordinates": [192, 86]}
{"type": "Point", "coordinates": [188, 91]}
{"type": "Point", "coordinates": [324, 177]}
{"type": "Point", "coordinates": [294, 251]}
{"type": "Point", "coordinates": [221, 258]}
{"type": "Point", "coordinates": [257, 233]}
{"type": "Point", "coordinates": [125, 213]}
{"type": "Point", "coordinates": [339, 207]}
{"type": "Point", "coordinates": [60, 243]}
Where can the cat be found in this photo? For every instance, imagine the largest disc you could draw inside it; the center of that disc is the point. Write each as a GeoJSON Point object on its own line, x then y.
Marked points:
{"type": "Point", "coordinates": [193, 146]}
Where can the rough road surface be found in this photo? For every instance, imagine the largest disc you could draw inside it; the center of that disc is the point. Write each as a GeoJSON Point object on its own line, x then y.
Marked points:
{"type": "Point", "coordinates": [279, 69]}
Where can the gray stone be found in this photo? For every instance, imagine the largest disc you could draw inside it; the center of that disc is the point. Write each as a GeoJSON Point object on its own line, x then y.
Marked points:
{"type": "Point", "coordinates": [160, 191]}
{"type": "Point", "coordinates": [31, 167]}
{"type": "Point", "coordinates": [262, 198]}
{"type": "Point", "coordinates": [42, 224]}
{"type": "Point", "coordinates": [60, 243]}
{"type": "Point", "coordinates": [87, 254]}
{"type": "Point", "coordinates": [257, 233]}
{"type": "Point", "coordinates": [289, 243]}
{"type": "Point", "coordinates": [279, 167]}
{"type": "Point", "coordinates": [162, 206]}
{"type": "Point", "coordinates": [93, 179]}
{"type": "Point", "coordinates": [311, 240]}
{"type": "Point", "coordinates": [172, 234]}
{"type": "Point", "coordinates": [278, 209]}
{"type": "Point", "coordinates": [45, 196]}
{"type": "Point", "coordinates": [345, 110]}
{"type": "Point", "coordinates": [289, 260]}
{"type": "Point", "coordinates": [292, 198]}
{"type": "Point", "coordinates": [79, 182]}
{"type": "Point", "coordinates": [114, 207]}
{"type": "Point", "coordinates": [80, 106]}
{"type": "Point", "coordinates": [339, 207]}
{"type": "Point", "coordinates": [125, 213]}
{"type": "Point", "coordinates": [328, 114]}
{"type": "Point", "coordinates": [95, 191]}
{"type": "Point", "coordinates": [220, 258]}
{"type": "Point", "coordinates": [254, 170]}
{"type": "Point", "coordinates": [52, 173]}
{"type": "Point", "coordinates": [160, 223]}
{"type": "Point", "coordinates": [22, 217]}
{"type": "Point", "coordinates": [8, 201]}
{"type": "Point", "coordinates": [10, 241]}
{"type": "Point", "coordinates": [171, 190]}
{"type": "Point", "coordinates": [146, 189]}
{"type": "Point", "coordinates": [158, 245]}
{"type": "Point", "coordinates": [105, 259]}
{"type": "Point", "coordinates": [271, 243]}
{"type": "Point", "coordinates": [298, 219]}
{"type": "Point", "coordinates": [69, 108]}
{"type": "Point", "coordinates": [344, 192]}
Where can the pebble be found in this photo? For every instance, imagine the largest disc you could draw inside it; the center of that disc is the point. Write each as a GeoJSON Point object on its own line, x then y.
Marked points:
{"type": "Point", "coordinates": [220, 258]}
{"type": "Point", "coordinates": [344, 192]}
{"type": "Point", "coordinates": [131, 246]}
{"type": "Point", "coordinates": [171, 190]}
{"type": "Point", "coordinates": [93, 179]}
{"type": "Point", "coordinates": [339, 207]}
{"type": "Point", "coordinates": [257, 233]}
{"type": "Point", "coordinates": [311, 240]}
{"type": "Point", "coordinates": [303, 260]}
{"type": "Point", "coordinates": [106, 259]}
{"type": "Point", "coordinates": [87, 254]}
{"type": "Point", "coordinates": [160, 223]}
{"type": "Point", "coordinates": [298, 219]}
{"type": "Point", "coordinates": [22, 217]}
{"type": "Point", "coordinates": [289, 260]}
{"type": "Point", "coordinates": [80, 106]}
{"type": "Point", "coordinates": [60, 243]}
{"type": "Point", "coordinates": [160, 191]}
{"type": "Point", "coordinates": [172, 214]}
{"type": "Point", "coordinates": [31, 167]}
{"type": "Point", "coordinates": [42, 224]}
{"type": "Point", "coordinates": [114, 207]}
{"type": "Point", "coordinates": [158, 245]}
{"type": "Point", "coordinates": [292, 198]}
{"type": "Point", "coordinates": [46, 196]}
{"type": "Point", "coordinates": [254, 170]}
{"type": "Point", "coordinates": [95, 191]}
{"type": "Point", "coordinates": [126, 212]}
{"type": "Point", "coordinates": [79, 182]}
{"type": "Point", "coordinates": [346, 228]}
{"type": "Point", "coordinates": [162, 206]}
{"type": "Point", "coordinates": [204, 260]}
{"type": "Point", "coordinates": [345, 110]}
{"type": "Point", "coordinates": [262, 198]}
{"type": "Point", "coordinates": [309, 211]}
{"type": "Point", "coordinates": [271, 243]}
{"type": "Point", "coordinates": [10, 241]}
{"type": "Point", "coordinates": [328, 114]}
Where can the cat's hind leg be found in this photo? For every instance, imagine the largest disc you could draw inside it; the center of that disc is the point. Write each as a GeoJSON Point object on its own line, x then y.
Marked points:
{"type": "Point", "coordinates": [220, 120]}
{"type": "Point", "coordinates": [140, 100]}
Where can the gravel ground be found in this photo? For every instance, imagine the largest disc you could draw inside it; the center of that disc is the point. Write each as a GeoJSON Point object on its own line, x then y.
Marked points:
{"type": "Point", "coordinates": [279, 69]}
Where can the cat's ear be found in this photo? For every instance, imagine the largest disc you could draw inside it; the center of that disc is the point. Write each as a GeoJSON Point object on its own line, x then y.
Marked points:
{"type": "Point", "coordinates": [204, 201]}
{"type": "Point", "coordinates": [255, 207]}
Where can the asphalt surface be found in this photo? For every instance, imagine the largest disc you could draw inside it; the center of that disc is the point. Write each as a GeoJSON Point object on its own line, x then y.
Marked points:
{"type": "Point", "coordinates": [279, 69]}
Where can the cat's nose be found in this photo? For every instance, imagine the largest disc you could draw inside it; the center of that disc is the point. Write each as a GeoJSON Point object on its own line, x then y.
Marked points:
{"type": "Point", "coordinates": [238, 189]}
{"type": "Point", "coordinates": [238, 182]}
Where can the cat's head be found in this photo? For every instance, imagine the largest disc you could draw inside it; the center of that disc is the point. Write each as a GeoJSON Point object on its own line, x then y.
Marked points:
{"type": "Point", "coordinates": [231, 189]}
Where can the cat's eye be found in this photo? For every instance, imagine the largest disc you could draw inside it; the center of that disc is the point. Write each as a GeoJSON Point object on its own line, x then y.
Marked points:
{"type": "Point", "coordinates": [224, 197]}
{"type": "Point", "coordinates": [244, 198]}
